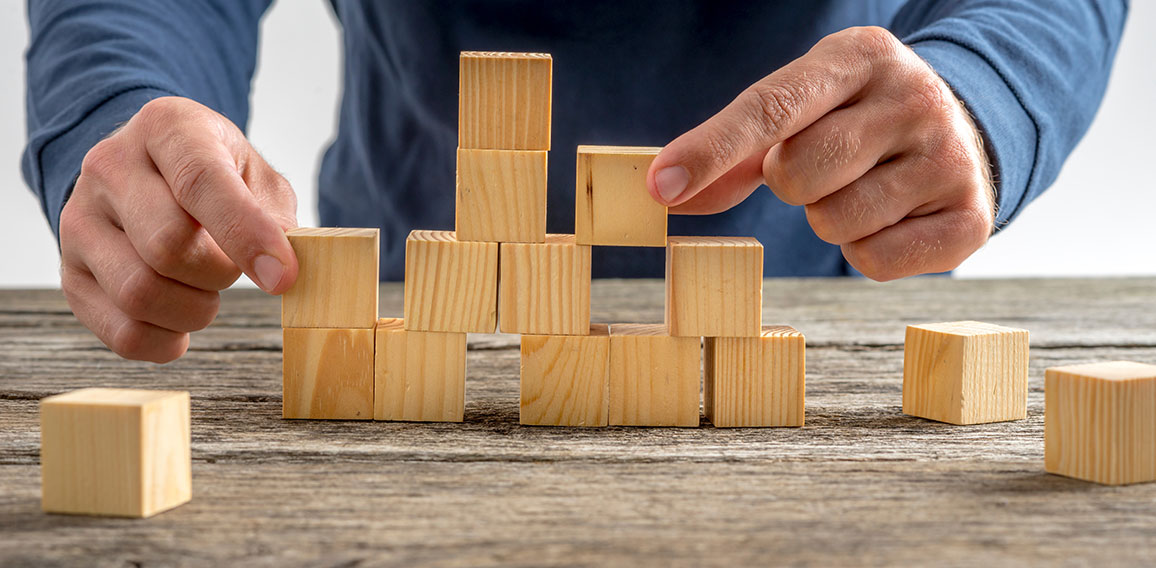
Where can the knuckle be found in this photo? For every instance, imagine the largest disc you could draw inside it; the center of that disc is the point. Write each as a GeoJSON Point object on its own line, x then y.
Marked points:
{"type": "Point", "coordinates": [135, 340]}
{"type": "Point", "coordinates": [929, 96]}
{"type": "Point", "coordinates": [204, 315]}
{"type": "Point", "coordinates": [167, 250]}
{"type": "Point", "coordinates": [876, 44]}
{"type": "Point", "coordinates": [104, 161]}
{"type": "Point", "coordinates": [825, 223]}
{"type": "Point", "coordinates": [869, 262]}
{"type": "Point", "coordinates": [137, 293]}
{"type": "Point", "coordinates": [191, 180]}
{"type": "Point", "coordinates": [771, 105]}
{"type": "Point", "coordinates": [161, 113]}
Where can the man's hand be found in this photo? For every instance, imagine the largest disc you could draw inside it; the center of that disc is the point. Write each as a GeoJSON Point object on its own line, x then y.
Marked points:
{"type": "Point", "coordinates": [865, 135]}
{"type": "Point", "coordinates": [168, 211]}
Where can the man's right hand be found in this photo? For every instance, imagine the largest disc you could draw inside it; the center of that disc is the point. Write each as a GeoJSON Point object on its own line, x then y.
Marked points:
{"type": "Point", "coordinates": [168, 211]}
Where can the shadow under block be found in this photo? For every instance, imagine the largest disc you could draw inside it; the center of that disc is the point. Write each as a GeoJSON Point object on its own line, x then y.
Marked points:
{"type": "Point", "coordinates": [115, 452]}
{"type": "Point", "coordinates": [328, 374]}
{"type": "Point", "coordinates": [755, 381]}
{"type": "Point", "coordinates": [654, 377]}
{"type": "Point", "coordinates": [336, 281]}
{"type": "Point", "coordinates": [565, 379]}
{"type": "Point", "coordinates": [545, 288]}
{"type": "Point", "coordinates": [504, 100]}
{"type": "Point", "coordinates": [501, 195]}
{"type": "Point", "coordinates": [1100, 422]}
{"type": "Point", "coordinates": [420, 376]}
{"type": "Point", "coordinates": [450, 285]}
{"type": "Point", "coordinates": [612, 205]}
{"type": "Point", "coordinates": [965, 372]}
{"type": "Point", "coordinates": [714, 286]}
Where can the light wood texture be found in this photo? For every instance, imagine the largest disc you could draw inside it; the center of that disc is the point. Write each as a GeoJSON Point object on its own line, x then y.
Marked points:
{"type": "Point", "coordinates": [654, 377]}
{"type": "Point", "coordinates": [755, 381]}
{"type": "Point", "coordinates": [545, 288]}
{"type": "Point", "coordinates": [450, 285]}
{"type": "Point", "coordinates": [115, 452]}
{"type": "Point", "coordinates": [612, 205]}
{"type": "Point", "coordinates": [327, 374]}
{"type": "Point", "coordinates": [714, 286]}
{"type": "Point", "coordinates": [965, 372]}
{"type": "Point", "coordinates": [336, 279]}
{"type": "Point", "coordinates": [565, 379]}
{"type": "Point", "coordinates": [501, 195]}
{"type": "Point", "coordinates": [504, 100]}
{"type": "Point", "coordinates": [420, 376]}
{"type": "Point", "coordinates": [1100, 422]}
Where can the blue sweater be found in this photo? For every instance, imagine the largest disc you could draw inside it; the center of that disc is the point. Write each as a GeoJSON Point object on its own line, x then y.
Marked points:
{"type": "Point", "coordinates": [1031, 72]}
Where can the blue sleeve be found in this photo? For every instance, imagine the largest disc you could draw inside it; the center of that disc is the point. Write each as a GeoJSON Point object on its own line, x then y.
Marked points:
{"type": "Point", "coordinates": [1032, 74]}
{"type": "Point", "coordinates": [91, 64]}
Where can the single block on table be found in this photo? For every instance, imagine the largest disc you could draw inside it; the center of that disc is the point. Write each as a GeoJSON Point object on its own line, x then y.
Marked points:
{"type": "Point", "coordinates": [755, 381]}
{"type": "Point", "coordinates": [654, 377]}
{"type": "Point", "coordinates": [714, 286]}
{"type": "Point", "coordinates": [327, 374]}
{"type": "Point", "coordinates": [501, 195]}
{"type": "Point", "coordinates": [565, 378]}
{"type": "Point", "coordinates": [420, 376]}
{"type": "Point", "coordinates": [965, 372]}
{"type": "Point", "coordinates": [115, 452]}
{"type": "Point", "coordinates": [545, 287]}
{"type": "Point", "coordinates": [612, 205]}
{"type": "Point", "coordinates": [336, 280]}
{"type": "Point", "coordinates": [504, 100]}
{"type": "Point", "coordinates": [450, 285]}
{"type": "Point", "coordinates": [1100, 422]}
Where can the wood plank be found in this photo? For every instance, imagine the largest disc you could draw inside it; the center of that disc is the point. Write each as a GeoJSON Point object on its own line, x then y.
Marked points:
{"type": "Point", "coordinates": [337, 277]}
{"type": "Point", "coordinates": [545, 288]}
{"type": "Point", "coordinates": [714, 286]}
{"type": "Point", "coordinates": [613, 207]}
{"type": "Point", "coordinates": [420, 376]}
{"type": "Point", "coordinates": [655, 378]}
{"type": "Point", "coordinates": [755, 381]}
{"type": "Point", "coordinates": [504, 100]}
{"type": "Point", "coordinates": [328, 374]}
{"type": "Point", "coordinates": [450, 285]}
{"type": "Point", "coordinates": [501, 196]}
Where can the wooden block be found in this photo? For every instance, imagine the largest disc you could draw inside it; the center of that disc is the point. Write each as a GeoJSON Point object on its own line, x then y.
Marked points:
{"type": "Point", "coordinates": [1100, 422]}
{"type": "Point", "coordinates": [501, 195]}
{"type": "Point", "coordinates": [545, 288]}
{"type": "Point", "coordinates": [612, 205]}
{"type": "Point", "coordinates": [327, 374]}
{"type": "Point", "coordinates": [115, 452]}
{"type": "Point", "coordinates": [504, 100]}
{"type": "Point", "coordinates": [965, 372]}
{"type": "Point", "coordinates": [420, 376]}
{"type": "Point", "coordinates": [755, 381]}
{"type": "Point", "coordinates": [654, 377]}
{"type": "Point", "coordinates": [337, 280]}
{"type": "Point", "coordinates": [450, 285]}
{"type": "Point", "coordinates": [714, 286]}
{"type": "Point", "coordinates": [566, 378]}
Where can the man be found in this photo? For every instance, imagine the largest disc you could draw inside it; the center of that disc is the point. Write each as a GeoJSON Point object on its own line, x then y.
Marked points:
{"type": "Point", "coordinates": [893, 149]}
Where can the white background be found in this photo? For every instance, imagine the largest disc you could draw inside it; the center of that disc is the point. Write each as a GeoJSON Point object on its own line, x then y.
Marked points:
{"type": "Point", "coordinates": [1098, 219]}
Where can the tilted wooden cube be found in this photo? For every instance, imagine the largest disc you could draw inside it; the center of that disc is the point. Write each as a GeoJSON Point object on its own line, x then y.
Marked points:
{"type": "Point", "coordinates": [654, 377]}
{"type": "Point", "coordinates": [755, 381]}
{"type": "Point", "coordinates": [501, 195]}
{"type": "Point", "coordinates": [336, 280]}
{"type": "Point", "coordinates": [450, 285]}
{"type": "Point", "coordinates": [115, 452]}
{"type": "Point", "coordinates": [420, 376]}
{"type": "Point", "coordinates": [545, 288]}
{"type": "Point", "coordinates": [565, 379]}
{"type": "Point", "coordinates": [714, 286]}
{"type": "Point", "coordinates": [1100, 422]}
{"type": "Point", "coordinates": [504, 100]}
{"type": "Point", "coordinates": [965, 372]}
{"type": "Point", "coordinates": [327, 374]}
{"type": "Point", "coordinates": [612, 205]}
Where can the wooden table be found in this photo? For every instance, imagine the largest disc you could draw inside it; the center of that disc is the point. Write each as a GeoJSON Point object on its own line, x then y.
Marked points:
{"type": "Point", "coordinates": [861, 483]}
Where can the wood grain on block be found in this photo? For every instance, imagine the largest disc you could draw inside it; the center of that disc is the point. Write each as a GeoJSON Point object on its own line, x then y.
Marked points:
{"type": "Point", "coordinates": [336, 280]}
{"type": "Point", "coordinates": [545, 288]}
{"type": "Point", "coordinates": [327, 374]}
{"type": "Point", "coordinates": [965, 372]}
{"type": "Point", "coordinates": [654, 377]}
{"type": "Point", "coordinates": [612, 205]}
{"type": "Point", "coordinates": [504, 100]}
{"type": "Point", "coordinates": [714, 286]}
{"type": "Point", "coordinates": [420, 376]}
{"type": "Point", "coordinates": [115, 452]}
{"type": "Point", "coordinates": [450, 285]}
{"type": "Point", "coordinates": [755, 381]}
{"type": "Point", "coordinates": [566, 378]}
{"type": "Point", "coordinates": [1100, 422]}
{"type": "Point", "coordinates": [501, 195]}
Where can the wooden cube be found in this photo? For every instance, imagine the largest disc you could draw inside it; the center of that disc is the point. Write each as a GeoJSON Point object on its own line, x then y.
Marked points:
{"type": "Point", "coordinates": [450, 285]}
{"type": "Point", "coordinates": [965, 372]}
{"type": "Point", "coordinates": [420, 376]}
{"type": "Point", "coordinates": [501, 195]}
{"type": "Point", "coordinates": [654, 377]}
{"type": "Point", "coordinates": [504, 100]}
{"type": "Point", "coordinates": [755, 381]}
{"type": "Point", "coordinates": [566, 378]}
{"type": "Point", "coordinates": [115, 452]}
{"type": "Point", "coordinates": [714, 286]}
{"type": "Point", "coordinates": [336, 280]}
{"type": "Point", "coordinates": [327, 374]}
{"type": "Point", "coordinates": [612, 205]}
{"type": "Point", "coordinates": [545, 288]}
{"type": "Point", "coordinates": [1100, 422]}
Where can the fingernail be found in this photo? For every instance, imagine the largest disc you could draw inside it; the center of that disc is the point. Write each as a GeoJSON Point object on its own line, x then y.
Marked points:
{"type": "Point", "coordinates": [269, 271]}
{"type": "Point", "coordinates": [671, 182]}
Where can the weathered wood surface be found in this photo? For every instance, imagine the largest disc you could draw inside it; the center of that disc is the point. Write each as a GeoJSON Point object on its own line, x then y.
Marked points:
{"type": "Point", "coordinates": [861, 483]}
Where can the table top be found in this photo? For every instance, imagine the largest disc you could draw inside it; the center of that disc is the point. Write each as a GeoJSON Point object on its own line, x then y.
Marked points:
{"type": "Point", "coordinates": [860, 483]}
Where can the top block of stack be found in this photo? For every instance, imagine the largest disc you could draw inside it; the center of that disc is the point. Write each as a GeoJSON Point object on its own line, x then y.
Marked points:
{"type": "Point", "coordinates": [505, 100]}
{"type": "Point", "coordinates": [336, 280]}
{"type": "Point", "coordinates": [612, 205]}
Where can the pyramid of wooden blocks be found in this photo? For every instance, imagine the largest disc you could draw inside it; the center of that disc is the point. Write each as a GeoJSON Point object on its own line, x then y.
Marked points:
{"type": "Point", "coordinates": [504, 100]}
{"type": "Point", "coordinates": [420, 375]}
{"type": "Point", "coordinates": [755, 381]}
{"type": "Point", "coordinates": [1100, 422]}
{"type": "Point", "coordinates": [965, 372]}
{"type": "Point", "coordinates": [115, 452]}
{"type": "Point", "coordinates": [612, 204]}
{"type": "Point", "coordinates": [565, 379]}
{"type": "Point", "coordinates": [545, 287]}
{"type": "Point", "coordinates": [714, 286]}
{"type": "Point", "coordinates": [654, 377]}
{"type": "Point", "coordinates": [450, 285]}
